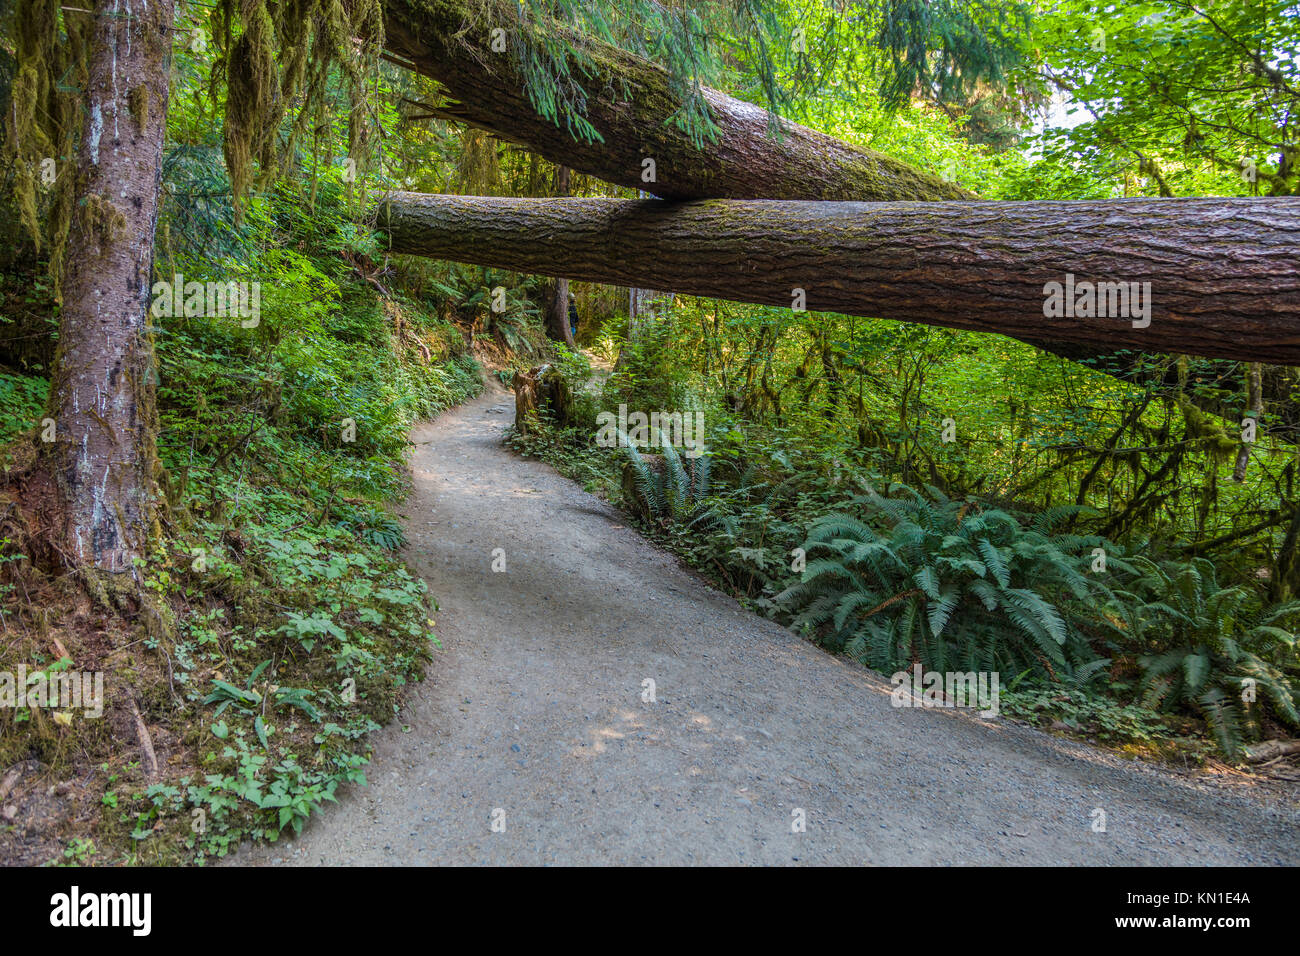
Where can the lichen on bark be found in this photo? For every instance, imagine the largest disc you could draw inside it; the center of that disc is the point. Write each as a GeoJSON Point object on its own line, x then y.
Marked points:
{"type": "Point", "coordinates": [139, 104]}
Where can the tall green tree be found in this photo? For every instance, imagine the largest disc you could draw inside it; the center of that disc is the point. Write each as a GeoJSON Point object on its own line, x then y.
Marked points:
{"type": "Point", "coordinates": [102, 137]}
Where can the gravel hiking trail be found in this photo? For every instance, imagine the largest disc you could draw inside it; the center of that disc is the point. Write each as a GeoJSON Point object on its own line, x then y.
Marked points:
{"type": "Point", "coordinates": [532, 718]}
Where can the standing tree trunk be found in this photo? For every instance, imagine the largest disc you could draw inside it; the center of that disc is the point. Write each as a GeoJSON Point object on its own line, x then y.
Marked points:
{"type": "Point", "coordinates": [1255, 409]}
{"type": "Point", "coordinates": [101, 397]}
{"type": "Point", "coordinates": [1223, 274]}
{"type": "Point", "coordinates": [640, 313]}
{"type": "Point", "coordinates": [555, 293]}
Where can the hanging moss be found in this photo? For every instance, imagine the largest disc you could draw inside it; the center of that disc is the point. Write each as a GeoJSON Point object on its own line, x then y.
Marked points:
{"type": "Point", "coordinates": [44, 119]}
{"type": "Point", "coordinates": [270, 55]}
{"type": "Point", "coordinates": [277, 55]}
{"type": "Point", "coordinates": [253, 99]}
{"type": "Point", "coordinates": [478, 166]}
{"type": "Point", "coordinates": [1216, 442]}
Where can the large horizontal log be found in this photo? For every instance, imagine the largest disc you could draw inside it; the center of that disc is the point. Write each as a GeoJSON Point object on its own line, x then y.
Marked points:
{"type": "Point", "coordinates": [629, 101]}
{"type": "Point", "coordinates": [1221, 277]}
{"type": "Point", "coordinates": [446, 40]}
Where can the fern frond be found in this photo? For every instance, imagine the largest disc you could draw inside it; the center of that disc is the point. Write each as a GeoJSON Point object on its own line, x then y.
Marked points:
{"type": "Point", "coordinates": [1221, 714]}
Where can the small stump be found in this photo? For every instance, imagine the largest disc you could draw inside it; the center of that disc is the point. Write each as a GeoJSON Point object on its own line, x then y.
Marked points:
{"type": "Point", "coordinates": [542, 389]}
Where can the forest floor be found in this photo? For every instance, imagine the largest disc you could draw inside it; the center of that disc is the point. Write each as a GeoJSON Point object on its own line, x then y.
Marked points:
{"type": "Point", "coordinates": [532, 717]}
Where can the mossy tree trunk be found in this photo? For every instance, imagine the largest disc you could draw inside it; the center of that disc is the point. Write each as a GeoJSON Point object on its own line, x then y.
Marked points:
{"type": "Point", "coordinates": [629, 102]}
{"type": "Point", "coordinates": [1223, 274]}
{"type": "Point", "coordinates": [102, 394]}
{"type": "Point", "coordinates": [542, 390]}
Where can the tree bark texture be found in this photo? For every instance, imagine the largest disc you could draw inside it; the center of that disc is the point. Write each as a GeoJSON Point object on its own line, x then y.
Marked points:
{"type": "Point", "coordinates": [629, 102]}
{"type": "Point", "coordinates": [101, 397]}
{"type": "Point", "coordinates": [1224, 274]}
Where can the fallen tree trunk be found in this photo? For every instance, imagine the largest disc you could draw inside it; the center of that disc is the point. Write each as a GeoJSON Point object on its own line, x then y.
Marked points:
{"type": "Point", "coordinates": [1224, 275]}
{"type": "Point", "coordinates": [629, 102]}
{"type": "Point", "coordinates": [1271, 750]}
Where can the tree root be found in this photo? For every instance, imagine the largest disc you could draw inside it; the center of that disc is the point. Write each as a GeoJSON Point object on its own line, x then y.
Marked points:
{"type": "Point", "coordinates": [150, 759]}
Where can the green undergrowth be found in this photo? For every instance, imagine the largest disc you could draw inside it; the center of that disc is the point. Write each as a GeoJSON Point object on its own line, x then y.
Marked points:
{"type": "Point", "coordinates": [22, 397]}
{"type": "Point", "coordinates": [303, 625]}
{"type": "Point", "coordinates": [279, 625]}
{"type": "Point", "coordinates": [1123, 643]}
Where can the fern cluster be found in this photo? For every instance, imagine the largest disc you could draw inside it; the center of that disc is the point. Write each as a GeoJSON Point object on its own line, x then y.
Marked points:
{"type": "Point", "coordinates": [947, 584]}
{"type": "Point", "coordinates": [676, 493]}
{"type": "Point", "coordinates": [1215, 650]}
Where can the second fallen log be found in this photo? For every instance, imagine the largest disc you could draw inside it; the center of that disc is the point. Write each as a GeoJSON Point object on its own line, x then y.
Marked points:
{"type": "Point", "coordinates": [1212, 277]}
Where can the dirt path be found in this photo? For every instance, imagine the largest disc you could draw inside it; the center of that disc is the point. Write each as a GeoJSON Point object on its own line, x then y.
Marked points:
{"type": "Point", "coordinates": [535, 707]}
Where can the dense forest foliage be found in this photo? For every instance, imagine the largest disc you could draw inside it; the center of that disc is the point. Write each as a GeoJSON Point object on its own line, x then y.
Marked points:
{"type": "Point", "coordinates": [1116, 532]}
